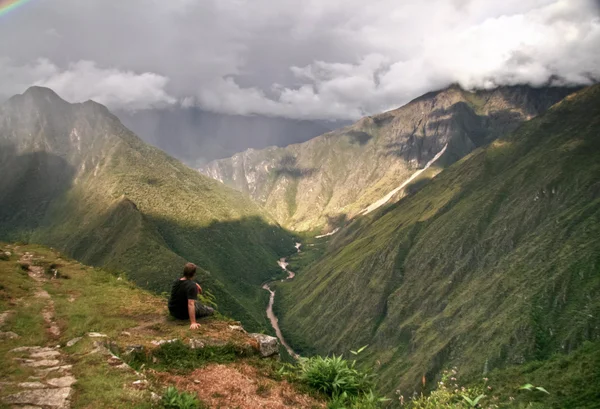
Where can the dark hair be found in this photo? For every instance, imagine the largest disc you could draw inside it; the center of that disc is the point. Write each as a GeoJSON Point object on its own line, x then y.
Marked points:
{"type": "Point", "coordinates": [189, 270]}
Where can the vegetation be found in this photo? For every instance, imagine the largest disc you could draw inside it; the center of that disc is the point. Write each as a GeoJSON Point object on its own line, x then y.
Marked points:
{"type": "Point", "coordinates": [345, 385]}
{"type": "Point", "coordinates": [173, 399]}
{"type": "Point", "coordinates": [494, 263]}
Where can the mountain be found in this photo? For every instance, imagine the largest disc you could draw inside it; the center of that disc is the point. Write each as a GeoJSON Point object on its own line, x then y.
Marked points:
{"type": "Point", "coordinates": [334, 177]}
{"type": "Point", "coordinates": [493, 263]}
{"type": "Point", "coordinates": [195, 136]}
{"type": "Point", "coordinates": [74, 178]}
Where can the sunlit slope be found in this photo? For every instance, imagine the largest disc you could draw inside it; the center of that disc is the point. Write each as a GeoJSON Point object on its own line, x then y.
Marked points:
{"type": "Point", "coordinates": [496, 260]}
{"type": "Point", "coordinates": [322, 182]}
{"type": "Point", "coordinates": [74, 178]}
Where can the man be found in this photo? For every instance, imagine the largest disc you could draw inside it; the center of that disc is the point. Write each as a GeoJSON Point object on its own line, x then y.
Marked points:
{"type": "Point", "coordinates": [183, 303]}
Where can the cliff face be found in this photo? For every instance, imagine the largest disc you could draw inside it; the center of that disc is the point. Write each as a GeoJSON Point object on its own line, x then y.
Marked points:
{"type": "Point", "coordinates": [319, 183]}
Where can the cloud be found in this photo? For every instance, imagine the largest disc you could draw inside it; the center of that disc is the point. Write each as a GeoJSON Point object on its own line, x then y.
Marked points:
{"type": "Point", "coordinates": [310, 59]}
{"type": "Point", "coordinates": [84, 80]}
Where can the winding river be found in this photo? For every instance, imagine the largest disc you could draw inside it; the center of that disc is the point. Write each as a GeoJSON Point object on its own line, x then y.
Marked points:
{"type": "Point", "coordinates": [270, 314]}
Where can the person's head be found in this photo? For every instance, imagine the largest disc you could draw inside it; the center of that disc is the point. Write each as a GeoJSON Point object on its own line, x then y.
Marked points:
{"type": "Point", "coordinates": [189, 271]}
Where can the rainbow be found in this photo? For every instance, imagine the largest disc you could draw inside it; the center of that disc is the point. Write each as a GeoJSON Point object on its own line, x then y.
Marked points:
{"type": "Point", "coordinates": [6, 6]}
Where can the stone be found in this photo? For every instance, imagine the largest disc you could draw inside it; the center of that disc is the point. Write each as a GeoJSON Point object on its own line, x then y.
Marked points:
{"type": "Point", "coordinates": [155, 397]}
{"type": "Point", "coordinates": [130, 349]}
{"type": "Point", "coordinates": [159, 342]}
{"type": "Point", "coordinates": [25, 349]}
{"type": "Point", "coordinates": [97, 335]}
{"type": "Point", "coordinates": [63, 382]}
{"type": "Point", "coordinates": [267, 345]}
{"type": "Point", "coordinates": [32, 385]}
{"type": "Point", "coordinates": [45, 354]}
{"type": "Point", "coordinates": [43, 362]}
{"type": "Point", "coordinates": [8, 335]}
{"type": "Point", "coordinates": [238, 328]}
{"type": "Point", "coordinates": [52, 398]}
{"type": "Point", "coordinates": [196, 344]}
{"type": "Point", "coordinates": [140, 384]}
{"type": "Point", "coordinates": [59, 369]}
{"type": "Point", "coordinates": [125, 333]}
{"type": "Point", "coordinates": [74, 341]}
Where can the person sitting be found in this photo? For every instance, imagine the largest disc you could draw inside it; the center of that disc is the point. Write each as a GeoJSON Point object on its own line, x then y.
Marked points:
{"type": "Point", "coordinates": [183, 303]}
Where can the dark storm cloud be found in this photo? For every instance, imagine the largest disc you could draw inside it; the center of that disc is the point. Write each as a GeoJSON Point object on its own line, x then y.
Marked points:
{"type": "Point", "coordinates": [290, 58]}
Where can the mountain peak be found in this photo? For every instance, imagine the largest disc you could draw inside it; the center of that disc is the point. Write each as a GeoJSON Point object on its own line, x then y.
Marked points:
{"type": "Point", "coordinates": [41, 92]}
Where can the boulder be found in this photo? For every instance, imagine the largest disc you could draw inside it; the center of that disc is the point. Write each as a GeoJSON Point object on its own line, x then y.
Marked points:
{"type": "Point", "coordinates": [267, 345]}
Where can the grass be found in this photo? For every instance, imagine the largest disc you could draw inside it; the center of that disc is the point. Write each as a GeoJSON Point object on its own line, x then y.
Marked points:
{"type": "Point", "coordinates": [495, 260]}
{"type": "Point", "coordinates": [180, 357]}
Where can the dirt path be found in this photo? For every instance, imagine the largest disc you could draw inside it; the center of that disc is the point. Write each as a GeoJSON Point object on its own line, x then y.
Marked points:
{"type": "Point", "coordinates": [51, 385]}
{"type": "Point", "coordinates": [271, 315]}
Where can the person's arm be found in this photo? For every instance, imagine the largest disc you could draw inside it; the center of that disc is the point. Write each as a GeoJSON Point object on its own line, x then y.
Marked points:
{"type": "Point", "coordinates": [192, 313]}
{"type": "Point", "coordinates": [199, 288]}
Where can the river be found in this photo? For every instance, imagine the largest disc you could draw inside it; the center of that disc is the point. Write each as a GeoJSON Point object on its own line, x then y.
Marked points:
{"type": "Point", "coordinates": [270, 314]}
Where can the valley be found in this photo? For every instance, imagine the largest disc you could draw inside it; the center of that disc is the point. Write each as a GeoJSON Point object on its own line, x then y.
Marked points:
{"type": "Point", "coordinates": [474, 246]}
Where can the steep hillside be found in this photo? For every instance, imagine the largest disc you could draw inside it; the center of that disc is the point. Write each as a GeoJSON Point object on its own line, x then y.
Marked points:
{"type": "Point", "coordinates": [333, 177]}
{"type": "Point", "coordinates": [73, 177]}
{"type": "Point", "coordinates": [73, 336]}
{"type": "Point", "coordinates": [495, 262]}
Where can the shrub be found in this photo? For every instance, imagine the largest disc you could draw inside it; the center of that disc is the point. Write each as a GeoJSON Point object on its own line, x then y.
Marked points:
{"type": "Point", "coordinates": [339, 379]}
{"type": "Point", "coordinates": [173, 399]}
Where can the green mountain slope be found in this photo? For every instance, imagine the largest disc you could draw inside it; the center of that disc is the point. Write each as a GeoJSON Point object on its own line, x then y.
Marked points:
{"type": "Point", "coordinates": [495, 262]}
{"type": "Point", "coordinates": [74, 178]}
{"type": "Point", "coordinates": [333, 177]}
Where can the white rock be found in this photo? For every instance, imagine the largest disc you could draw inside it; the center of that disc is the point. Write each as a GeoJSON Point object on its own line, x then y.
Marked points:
{"type": "Point", "coordinates": [97, 335]}
{"type": "Point", "coordinates": [32, 385]}
{"type": "Point", "coordinates": [59, 369]}
{"type": "Point", "coordinates": [25, 349]}
{"type": "Point", "coordinates": [237, 328]}
{"type": "Point", "coordinates": [267, 345]}
{"type": "Point", "coordinates": [74, 341]}
{"type": "Point", "coordinates": [62, 382]}
{"type": "Point", "coordinates": [45, 354]}
{"type": "Point", "coordinates": [162, 341]}
{"type": "Point", "coordinates": [196, 344]}
{"type": "Point", "coordinates": [43, 362]}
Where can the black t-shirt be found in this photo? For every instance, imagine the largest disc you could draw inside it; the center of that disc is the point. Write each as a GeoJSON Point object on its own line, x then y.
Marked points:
{"type": "Point", "coordinates": [181, 292]}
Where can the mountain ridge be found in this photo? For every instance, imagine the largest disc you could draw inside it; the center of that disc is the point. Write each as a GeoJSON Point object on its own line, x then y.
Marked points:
{"type": "Point", "coordinates": [331, 178]}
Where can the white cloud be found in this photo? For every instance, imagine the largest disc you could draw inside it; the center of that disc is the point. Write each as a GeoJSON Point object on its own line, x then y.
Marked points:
{"type": "Point", "coordinates": [316, 59]}
{"type": "Point", "coordinates": [84, 80]}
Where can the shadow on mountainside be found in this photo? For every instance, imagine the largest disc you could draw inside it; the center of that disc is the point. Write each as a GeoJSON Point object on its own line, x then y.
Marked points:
{"type": "Point", "coordinates": [287, 166]}
{"type": "Point", "coordinates": [29, 184]}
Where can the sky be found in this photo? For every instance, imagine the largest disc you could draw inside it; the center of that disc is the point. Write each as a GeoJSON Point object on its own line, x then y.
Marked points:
{"type": "Point", "coordinates": [300, 59]}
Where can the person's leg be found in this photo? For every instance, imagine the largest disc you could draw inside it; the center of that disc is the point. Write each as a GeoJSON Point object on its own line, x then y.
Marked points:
{"type": "Point", "coordinates": [203, 310]}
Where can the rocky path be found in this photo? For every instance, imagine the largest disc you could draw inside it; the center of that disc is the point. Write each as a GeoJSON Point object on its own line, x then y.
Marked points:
{"type": "Point", "coordinates": [51, 385]}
